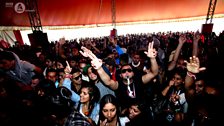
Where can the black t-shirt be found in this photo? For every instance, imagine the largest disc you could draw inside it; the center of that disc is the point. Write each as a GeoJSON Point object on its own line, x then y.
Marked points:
{"type": "Point", "coordinates": [122, 92]}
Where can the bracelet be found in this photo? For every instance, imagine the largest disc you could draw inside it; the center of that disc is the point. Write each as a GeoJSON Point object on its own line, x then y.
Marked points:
{"type": "Point", "coordinates": [191, 75]}
{"type": "Point", "coordinates": [67, 76]}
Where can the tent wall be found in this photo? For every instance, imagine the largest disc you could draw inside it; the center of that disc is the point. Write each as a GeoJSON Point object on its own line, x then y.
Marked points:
{"type": "Point", "coordinates": [88, 12]}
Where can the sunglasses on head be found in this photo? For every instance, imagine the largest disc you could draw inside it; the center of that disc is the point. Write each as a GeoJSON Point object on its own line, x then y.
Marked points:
{"type": "Point", "coordinates": [125, 70]}
{"type": "Point", "coordinates": [76, 78]}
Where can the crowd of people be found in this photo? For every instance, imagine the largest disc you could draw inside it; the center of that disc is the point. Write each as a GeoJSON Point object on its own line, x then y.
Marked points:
{"type": "Point", "coordinates": [158, 79]}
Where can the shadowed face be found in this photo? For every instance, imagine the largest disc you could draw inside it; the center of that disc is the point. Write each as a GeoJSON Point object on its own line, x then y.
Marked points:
{"type": "Point", "coordinates": [181, 63]}
{"type": "Point", "coordinates": [136, 59]}
{"type": "Point", "coordinates": [81, 66]}
{"type": "Point", "coordinates": [60, 65]}
{"type": "Point", "coordinates": [73, 63]}
{"type": "Point", "coordinates": [77, 78]}
{"type": "Point", "coordinates": [109, 111]}
{"type": "Point", "coordinates": [133, 111]}
{"type": "Point", "coordinates": [35, 82]}
{"type": "Point", "coordinates": [52, 76]}
{"type": "Point", "coordinates": [177, 80]}
{"type": "Point", "coordinates": [48, 63]}
{"type": "Point", "coordinates": [199, 86]}
{"type": "Point", "coordinates": [92, 74]}
{"type": "Point", "coordinates": [7, 64]}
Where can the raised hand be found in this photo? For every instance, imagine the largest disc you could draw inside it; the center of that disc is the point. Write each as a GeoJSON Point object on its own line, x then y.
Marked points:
{"type": "Point", "coordinates": [103, 123]}
{"type": "Point", "coordinates": [95, 62]}
{"type": "Point", "coordinates": [197, 36]}
{"type": "Point", "coordinates": [193, 65]}
{"type": "Point", "coordinates": [182, 39]}
{"type": "Point", "coordinates": [67, 69]}
{"type": "Point", "coordinates": [151, 51]}
{"type": "Point", "coordinates": [171, 83]}
{"type": "Point", "coordinates": [84, 51]}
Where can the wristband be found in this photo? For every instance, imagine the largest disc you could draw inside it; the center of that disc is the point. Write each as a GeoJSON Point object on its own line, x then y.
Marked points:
{"type": "Point", "coordinates": [191, 75]}
{"type": "Point", "coordinates": [68, 76]}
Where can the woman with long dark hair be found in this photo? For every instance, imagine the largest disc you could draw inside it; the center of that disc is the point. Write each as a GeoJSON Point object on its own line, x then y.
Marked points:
{"type": "Point", "coordinates": [109, 114]}
{"type": "Point", "coordinates": [88, 104]}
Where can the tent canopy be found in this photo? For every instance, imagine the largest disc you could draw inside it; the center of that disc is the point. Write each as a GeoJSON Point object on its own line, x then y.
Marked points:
{"type": "Point", "coordinates": [90, 12]}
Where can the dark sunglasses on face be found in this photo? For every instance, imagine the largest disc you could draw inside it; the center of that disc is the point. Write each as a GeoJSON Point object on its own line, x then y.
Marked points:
{"type": "Point", "coordinates": [125, 70]}
{"type": "Point", "coordinates": [76, 78]}
{"type": "Point", "coordinates": [93, 70]}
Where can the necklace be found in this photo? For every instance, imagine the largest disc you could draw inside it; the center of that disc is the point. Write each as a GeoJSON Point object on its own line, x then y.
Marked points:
{"type": "Point", "coordinates": [136, 64]}
{"type": "Point", "coordinates": [130, 92]}
{"type": "Point", "coordinates": [85, 110]}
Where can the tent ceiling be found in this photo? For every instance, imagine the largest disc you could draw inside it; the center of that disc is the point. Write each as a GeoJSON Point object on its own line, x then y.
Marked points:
{"type": "Point", "coordinates": [87, 12]}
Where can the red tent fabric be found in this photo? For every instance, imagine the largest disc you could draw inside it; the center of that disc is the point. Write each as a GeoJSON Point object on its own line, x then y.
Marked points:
{"type": "Point", "coordinates": [18, 37]}
{"type": "Point", "coordinates": [4, 44]}
{"type": "Point", "coordinates": [87, 12]}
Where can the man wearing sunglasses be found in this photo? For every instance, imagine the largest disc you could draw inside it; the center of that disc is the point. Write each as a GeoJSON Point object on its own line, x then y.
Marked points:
{"type": "Point", "coordinates": [129, 87]}
{"type": "Point", "coordinates": [76, 80]}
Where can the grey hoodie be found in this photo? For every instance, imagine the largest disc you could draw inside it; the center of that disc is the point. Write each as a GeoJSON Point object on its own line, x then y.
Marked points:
{"type": "Point", "coordinates": [23, 71]}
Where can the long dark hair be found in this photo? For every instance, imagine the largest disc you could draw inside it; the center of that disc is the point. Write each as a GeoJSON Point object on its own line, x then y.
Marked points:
{"type": "Point", "coordinates": [109, 98]}
{"type": "Point", "coordinates": [94, 95]}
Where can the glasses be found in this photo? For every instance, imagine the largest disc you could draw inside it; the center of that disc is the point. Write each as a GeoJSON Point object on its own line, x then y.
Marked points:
{"type": "Point", "coordinates": [76, 78]}
{"type": "Point", "coordinates": [93, 71]}
{"type": "Point", "coordinates": [125, 70]}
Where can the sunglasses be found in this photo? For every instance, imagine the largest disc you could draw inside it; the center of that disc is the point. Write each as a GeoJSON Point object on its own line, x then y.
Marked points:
{"type": "Point", "coordinates": [125, 70]}
{"type": "Point", "coordinates": [76, 78]}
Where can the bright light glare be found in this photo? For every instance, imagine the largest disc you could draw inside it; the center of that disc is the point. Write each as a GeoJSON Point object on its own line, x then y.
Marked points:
{"type": "Point", "coordinates": [54, 35]}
